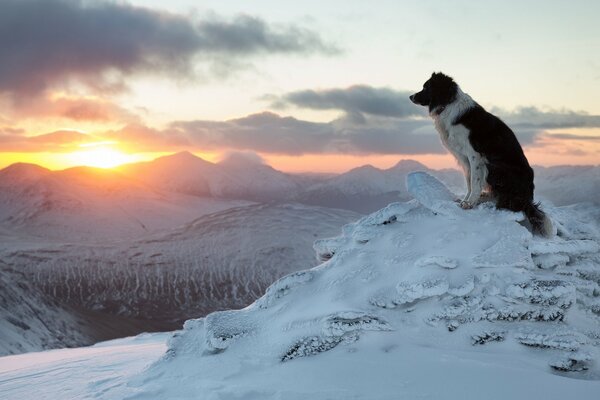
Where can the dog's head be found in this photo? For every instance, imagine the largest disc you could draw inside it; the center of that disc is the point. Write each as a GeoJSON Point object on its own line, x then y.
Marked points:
{"type": "Point", "coordinates": [439, 91]}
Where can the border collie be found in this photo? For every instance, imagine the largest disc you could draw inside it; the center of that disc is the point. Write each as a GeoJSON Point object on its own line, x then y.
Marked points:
{"type": "Point", "coordinates": [487, 150]}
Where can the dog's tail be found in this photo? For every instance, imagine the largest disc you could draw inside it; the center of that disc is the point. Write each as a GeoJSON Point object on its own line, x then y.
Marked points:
{"type": "Point", "coordinates": [540, 223]}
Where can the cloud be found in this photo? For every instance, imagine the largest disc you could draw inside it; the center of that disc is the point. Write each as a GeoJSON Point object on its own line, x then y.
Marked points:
{"type": "Point", "coordinates": [575, 137]}
{"type": "Point", "coordinates": [143, 138]}
{"type": "Point", "coordinates": [50, 43]}
{"type": "Point", "coordinates": [354, 100]}
{"type": "Point", "coordinates": [359, 100]}
{"type": "Point", "coordinates": [533, 117]}
{"type": "Point", "coordinates": [73, 108]}
{"type": "Point", "coordinates": [270, 133]}
{"type": "Point", "coordinates": [242, 158]}
{"type": "Point", "coordinates": [59, 141]}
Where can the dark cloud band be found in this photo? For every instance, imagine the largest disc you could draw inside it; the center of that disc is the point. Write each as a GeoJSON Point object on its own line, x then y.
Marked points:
{"type": "Point", "coordinates": [44, 43]}
{"type": "Point", "coordinates": [358, 99]}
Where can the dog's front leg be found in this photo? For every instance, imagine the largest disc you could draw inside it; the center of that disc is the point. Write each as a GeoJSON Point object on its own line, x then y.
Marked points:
{"type": "Point", "coordinates": [467, 170]}
{"type": "Point", "coordinates": [476, 181]}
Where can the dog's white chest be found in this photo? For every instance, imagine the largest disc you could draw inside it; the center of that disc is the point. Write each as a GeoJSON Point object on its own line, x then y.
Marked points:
{"type": "Point", "coordinates": [454, 137]}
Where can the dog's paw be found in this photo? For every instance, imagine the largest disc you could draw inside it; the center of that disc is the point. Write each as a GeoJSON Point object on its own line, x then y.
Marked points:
{"type": "Point", "coordinates": [465, 205]}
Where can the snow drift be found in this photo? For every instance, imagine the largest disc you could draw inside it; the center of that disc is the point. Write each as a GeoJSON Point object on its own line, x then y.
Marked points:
{"type": "Point", "coordinates": [418, 299]}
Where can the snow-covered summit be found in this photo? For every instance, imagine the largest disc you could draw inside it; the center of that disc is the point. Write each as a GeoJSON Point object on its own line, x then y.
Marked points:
{"type": "Point", "coordinates": [420, 299]}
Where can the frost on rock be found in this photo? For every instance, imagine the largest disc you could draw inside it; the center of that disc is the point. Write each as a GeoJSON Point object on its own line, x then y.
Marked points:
{"type": "Point", "coordinates": [326, 248]}
{"type": "Point", "coordinates": [310, 346]}
{"type": "Point", "coordinates": [433, 273]}
{"type": "Point", "coordinates": [223, 327]}
{"type": "Point", "coordinates": [543, 292]}
{"type": "Point", "coordinates": [344, 327]}
{"type": "Point", "coordinates": [342, 323]}
{"type": "Point", "coordinates": [487, 337]}
{"type": "Point", "coordinates": [572, 362]}
{"type": "Point", "coordinates": [550, 261]}
{"type": "Point", "coordinates": [568, 342]}
{"type": "Point", "coordinates": [408, 292]}
{"type": "Point", "coordinates": [282, 287]}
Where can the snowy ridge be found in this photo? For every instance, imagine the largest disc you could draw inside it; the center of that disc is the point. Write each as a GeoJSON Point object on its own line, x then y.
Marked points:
{"type": "Point", "coordinates": [405, 289]}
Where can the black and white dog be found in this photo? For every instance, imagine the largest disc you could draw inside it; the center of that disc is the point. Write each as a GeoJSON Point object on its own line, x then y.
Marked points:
{"type": "Point", "coordinates": [487, 150]}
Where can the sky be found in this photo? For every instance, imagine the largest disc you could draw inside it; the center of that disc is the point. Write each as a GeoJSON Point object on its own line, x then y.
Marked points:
{"type": "Point", "coordinates": [308, 86]}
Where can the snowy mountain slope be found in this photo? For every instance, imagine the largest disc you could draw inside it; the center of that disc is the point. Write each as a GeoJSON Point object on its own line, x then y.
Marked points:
{"type": "Point", "coordinates": [91, 204]}
{"type": "Point", "coordinates": [412, 301]}
{"type": "Point", "coordinates": [253, 180]}
{"type": "Point", "coordinates": [181, 172]}
{"type": "Point", "coordinates": [74, 373]}
{"type": "Point", "coordinates": [218, 261]}
{"type": "Point", "coordinates": [569, 184]}
{"type": "Point", "coordinates": [29, 320]}
{"type": "Point", "coordinates": [366, 189]}
{"type": "Point", "coordinates": [236, 177]}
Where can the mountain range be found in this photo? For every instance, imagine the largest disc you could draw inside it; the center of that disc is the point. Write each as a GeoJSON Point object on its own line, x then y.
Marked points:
{"type": "Point", "coordinates": [146, 246]}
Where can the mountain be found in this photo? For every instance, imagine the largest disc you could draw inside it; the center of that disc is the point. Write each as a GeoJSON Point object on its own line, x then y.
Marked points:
{"type": "Point", "coordinates": [91, 204]}
{"type": "Point", "coordinates": [217, 261]}
{"type": "Point", "coordinates": [419, 299]}
{"type": "Point", "coordinates": [122, 251]}
{"type": "Point", "coordinates": [568, 184]}
{"type": "Point", "coordinates": [31, 320]}
{"type": "Point", "coordinates": [236, 177]}
{"type": "Point", "coordinates": [181, 172]}
{"type": "Point", "coordinates": [367, 188]}
{"type": "Point", "coordinates": [251, 179]}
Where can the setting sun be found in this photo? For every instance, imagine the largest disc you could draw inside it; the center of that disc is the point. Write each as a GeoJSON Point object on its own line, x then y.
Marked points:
{"type": "Point", "coordinates": [101, 157]}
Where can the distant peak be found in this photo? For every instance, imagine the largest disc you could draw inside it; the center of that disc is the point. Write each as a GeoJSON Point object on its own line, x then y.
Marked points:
{"type": "Point", "coordinates": [182, 156]}
{"type": "Point", "coordinates": [22, 172]}
{"type": "Point", "coordinates": [21, 167]}
{"type": "Point", "coordinates": [408, 164]}
{"type": "Point", "coordinates": [366, 167]}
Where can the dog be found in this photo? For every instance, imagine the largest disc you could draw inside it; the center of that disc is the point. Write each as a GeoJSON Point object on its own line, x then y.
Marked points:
{"type": "Point", "coordinates": [486, 148]}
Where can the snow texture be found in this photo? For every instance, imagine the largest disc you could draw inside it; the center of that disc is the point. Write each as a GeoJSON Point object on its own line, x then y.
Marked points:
{"type": "Point", "coordinates": [384, 317]}
{"type": "Point", "coordinates": [414, 274]}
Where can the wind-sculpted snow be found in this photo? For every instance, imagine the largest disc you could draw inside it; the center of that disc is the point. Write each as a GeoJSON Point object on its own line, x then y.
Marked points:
{"type": "Point", "coordinates": [414, 275]}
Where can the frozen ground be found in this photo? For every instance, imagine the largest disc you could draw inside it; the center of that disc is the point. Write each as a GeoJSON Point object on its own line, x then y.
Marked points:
{"type": "Point", "coordinates": [418, 300]}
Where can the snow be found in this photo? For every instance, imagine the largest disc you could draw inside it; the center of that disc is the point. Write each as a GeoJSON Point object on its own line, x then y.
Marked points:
{"type": "Point", "coordinates": [79, 373]}
{"type": "Point", "coordinates": [375, 315]}
{"type": "Point", "coordinates": [417, 300]}
{"type": "Point", "coordinates": [218, 261]}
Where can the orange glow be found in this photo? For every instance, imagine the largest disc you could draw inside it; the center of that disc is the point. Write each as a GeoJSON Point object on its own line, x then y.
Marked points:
{"type": "Point", "coordinates": [101, 157]}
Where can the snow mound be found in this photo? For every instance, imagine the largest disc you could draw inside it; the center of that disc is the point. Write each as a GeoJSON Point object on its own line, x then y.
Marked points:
{"type": "Point", "coordinates": [416, 276]}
